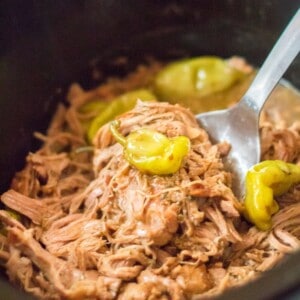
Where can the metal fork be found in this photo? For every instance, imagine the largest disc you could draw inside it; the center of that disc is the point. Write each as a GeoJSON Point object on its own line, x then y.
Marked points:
{"type": "Point", "coordinates": [239, 125]}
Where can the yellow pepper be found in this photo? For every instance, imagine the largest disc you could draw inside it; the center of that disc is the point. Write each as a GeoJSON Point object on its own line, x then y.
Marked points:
{"type": "Point", "coordinates": [94, 107]}
{"type": "Point", "coordinates": [263, 181]}
{"type": "Point", "coordinates": [152, 152]}
{"type": "Point", "coordinates": [15, 215]}
{"type": "Point", "coordinates": [119, 105]}
{"type": "Point", "coordinates": [194, 78]}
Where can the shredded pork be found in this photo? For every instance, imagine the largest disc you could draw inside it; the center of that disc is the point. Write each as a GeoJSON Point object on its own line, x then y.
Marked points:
{"type": "Point", "coordinates": [90, 226]}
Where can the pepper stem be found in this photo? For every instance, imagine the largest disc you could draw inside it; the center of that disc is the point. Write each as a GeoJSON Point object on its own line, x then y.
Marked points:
{"type": "Point", "coordinates": [114, 126]}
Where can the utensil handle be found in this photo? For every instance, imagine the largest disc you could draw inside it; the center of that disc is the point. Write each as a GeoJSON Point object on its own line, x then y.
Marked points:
{"type": "Point", "coordinates": [281, 56]}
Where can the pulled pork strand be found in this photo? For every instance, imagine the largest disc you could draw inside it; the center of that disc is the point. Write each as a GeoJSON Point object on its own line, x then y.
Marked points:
{"type": "Point", "coordinates": [117, 233]}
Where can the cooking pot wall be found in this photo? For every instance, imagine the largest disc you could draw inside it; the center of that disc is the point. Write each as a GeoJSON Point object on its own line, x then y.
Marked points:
{"type": "Point", "coordinates": [45, 45]}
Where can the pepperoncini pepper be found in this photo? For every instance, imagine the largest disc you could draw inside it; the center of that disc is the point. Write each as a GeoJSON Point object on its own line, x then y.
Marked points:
{"type": "Point", "coordinates": [15, 215]}
{"type": "Point", "coordinates": [263, 181]}
{"type": "Point", "coordinates": [152, 152]}
{"type": "Point", "coordinates": [195, 78]}
{"type": "Point", "coordinates": [94, 107]}
{"type": "Point", "coordinates": [116, 107]}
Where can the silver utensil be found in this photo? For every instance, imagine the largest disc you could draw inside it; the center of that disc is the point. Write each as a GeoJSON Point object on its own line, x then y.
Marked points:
{"type": "Point", "coordinates": [239, 125]}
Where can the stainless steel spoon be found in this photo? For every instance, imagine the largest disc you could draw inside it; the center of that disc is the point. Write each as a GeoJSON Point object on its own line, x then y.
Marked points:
{"type": "Point", "coordinates": [239, 124]}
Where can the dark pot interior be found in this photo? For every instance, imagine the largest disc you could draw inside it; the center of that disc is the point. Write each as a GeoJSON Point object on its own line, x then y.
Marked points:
{"type": "Point", "coordinates": [46, 45]}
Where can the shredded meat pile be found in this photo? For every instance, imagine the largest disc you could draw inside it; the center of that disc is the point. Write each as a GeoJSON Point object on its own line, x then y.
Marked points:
{"type": "Point", "coordinates": [90, 226]}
